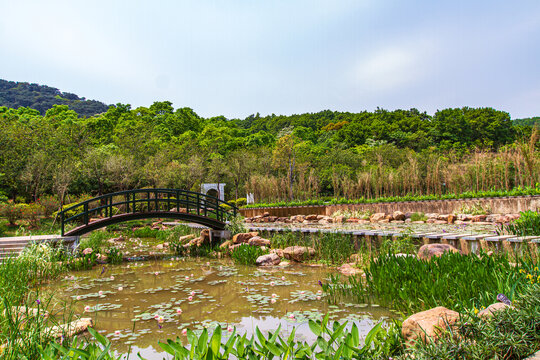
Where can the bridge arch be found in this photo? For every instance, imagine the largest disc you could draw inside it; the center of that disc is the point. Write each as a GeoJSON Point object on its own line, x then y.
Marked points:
{"type": "Point", "coordinates": [139, 204]}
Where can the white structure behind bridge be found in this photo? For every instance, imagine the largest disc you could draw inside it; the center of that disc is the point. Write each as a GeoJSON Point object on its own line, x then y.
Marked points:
{"type": "Point", "coordinates": [205, 188]}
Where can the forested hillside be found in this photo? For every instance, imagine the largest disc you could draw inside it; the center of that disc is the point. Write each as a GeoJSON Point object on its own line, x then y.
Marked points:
{"type": "Point", "coordinates": [352, 155]}
{"type": "Point", "coordinates": [42, 98]}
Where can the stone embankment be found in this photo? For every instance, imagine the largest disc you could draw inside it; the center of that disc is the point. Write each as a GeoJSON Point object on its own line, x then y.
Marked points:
{"type": "Point", "coordinates": [397, 217]}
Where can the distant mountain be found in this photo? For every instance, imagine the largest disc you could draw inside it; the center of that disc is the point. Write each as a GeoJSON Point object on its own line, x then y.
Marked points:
{"type": "Point", "coordinates": [528, 121]}
{"type": "Point", "coordinates": [41, 97]}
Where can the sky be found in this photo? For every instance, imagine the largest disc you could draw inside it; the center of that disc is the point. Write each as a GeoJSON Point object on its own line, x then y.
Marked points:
{"type": "Point", "coordinates": [242, 57]}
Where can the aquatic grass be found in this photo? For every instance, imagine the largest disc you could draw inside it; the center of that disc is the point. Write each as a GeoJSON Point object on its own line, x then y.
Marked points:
{"type": "Point", "coordinates": [26, 315]}
{"type": "Point", "coordinates": [246, 254]}
{"type": "Point", "coordinates": [452, 280]}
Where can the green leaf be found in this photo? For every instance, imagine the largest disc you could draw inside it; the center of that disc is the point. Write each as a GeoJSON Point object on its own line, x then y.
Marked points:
{"type": "Point", "coordinates": [315, 328]}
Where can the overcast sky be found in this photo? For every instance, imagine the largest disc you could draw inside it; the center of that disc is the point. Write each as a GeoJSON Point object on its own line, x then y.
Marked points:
{"type": "Point", "coordinates": [240, 57]}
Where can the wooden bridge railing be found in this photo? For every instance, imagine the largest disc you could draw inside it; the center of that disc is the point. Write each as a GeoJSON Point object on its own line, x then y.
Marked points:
{"type": "Point", "coordinates": [147, 201]}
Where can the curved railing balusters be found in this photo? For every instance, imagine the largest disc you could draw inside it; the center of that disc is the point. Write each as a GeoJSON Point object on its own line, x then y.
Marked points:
{"type": "Point", "coordinates": [193, 202]}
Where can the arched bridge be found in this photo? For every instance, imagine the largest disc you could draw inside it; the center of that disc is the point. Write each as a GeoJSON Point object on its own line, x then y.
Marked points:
{"type": "Point", "coordinates": [144, 204]}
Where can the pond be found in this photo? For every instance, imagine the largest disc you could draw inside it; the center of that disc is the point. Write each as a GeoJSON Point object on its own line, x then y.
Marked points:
{"type": "Point", "coordinates": [137, 304]}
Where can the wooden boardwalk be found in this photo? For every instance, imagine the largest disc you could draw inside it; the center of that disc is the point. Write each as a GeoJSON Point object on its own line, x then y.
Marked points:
{"type": "Point", "coordinates": [466, 242]}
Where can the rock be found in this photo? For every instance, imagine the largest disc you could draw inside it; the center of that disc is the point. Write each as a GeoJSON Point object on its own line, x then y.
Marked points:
{"type": "Point", "coordinates": [205, 236]}
{"type": "Point", "coordinates": [279, 252]}
{"type": "Point", "coordinates": [388, 217]}
{"type": "Point", "coordinates": [339, 219]}
{"type": "Point", "coordinates": [70, 329]}
{"type": "Point", "coordinates": [397, 221]}
{"type": "Point", "coordinates": [159, 246]}
{"type": "Point", "coordinates": [464, 217]}
{"type": "Point", "coordinates": [363, 221]}
{"type": "Point", "coordinates": [87, 251]}
{"type": "Point", "coordinates": [265, 214]}
{"type": "Point", "coordinates": [258, 241]}
{"type": "Point", "coordinates": [311, 217]}
{"type": "Point", "coordinates": [298, 253]}
{"type": "Point", "coordinates": [418, 222]}
{"type": "Point", "coordinates": [102, 257]}
{"type": "Point", "coordinates": [186, 238]}
{"type": "Point", "coordinates": [225, 244]}
{"type": "Point", "coordinates": [324, 222]}
{"type": "Point", "coordinates": [271, 218]}
{"type": "Point", "coordinates": [426, 252]}
{"type": "Point", "coordinates": [384, 221]}
{"type": "Point", "coordinates": [428, 325]}
{"type": "Point", "coordinates": [398, 215]}
{"type": "Point", "coordinates": [479, 218]}
{"type": "Point", "coordinates": [451, 218]}
{"type": "Point", "coordinates": [349, 269]}
{"type": "Point", "coordinates": [442, 217]}
{"type": "Point", "coordinates": [432, 215]}
{"type": "Point", "coordinates": [440, 222]}
{"type": "Point", "coordinates": [284, 263]}
{"type": "Point", "coordinates": [119, 239]}
{"type": "Point", "coordinates": [320, 217]}
{"type": "Point", "coordinates": [377, 217]}
{"type": "Point", "coordinates": [353, 220]}
{"type": "Point", "coordinates": [241, 238]}
{"type": "Point", "coordinates": [268, 260]}
{"type": "Point", "coordinates": [493, 308]}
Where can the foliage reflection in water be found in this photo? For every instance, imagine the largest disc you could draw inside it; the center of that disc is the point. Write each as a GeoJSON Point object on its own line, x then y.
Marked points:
{"type": "Point", "coordinates": [137, 304]}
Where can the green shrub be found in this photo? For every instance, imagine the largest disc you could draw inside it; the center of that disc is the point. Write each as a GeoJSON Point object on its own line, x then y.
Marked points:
{"type": "Point", "coordinates": [241, 202]}
{"type": "Point", "coordinates": [114, 256]}
{"type": "Point", "coordinates": [418, 216]}
{"type": "Point", "coordinates": [145, 232]}
{"type": "Point", "coordinates": [236, 225]}
{"type": "Point", "coordinates": [247, 254]}
{"type": "Point", "coordinates": [32, 213]}
{"type": "Point", "coordinates": [50, 204]}
{"type": "Point", "coordinates": [527, 224]}
{"type": "Point", "coordinates": [12, 212]}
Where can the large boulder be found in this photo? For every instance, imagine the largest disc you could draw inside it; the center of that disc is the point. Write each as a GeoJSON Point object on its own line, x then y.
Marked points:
{"type": "Point", "coordinates": [426, 252]}
{"type": "Point", "coordinates": [428, 325]}
{"type": "Point", "coordinates": [241, 238]}
{"type": "Point", "coordinates": [311, 217]}
{"type": "Point", "coordinates": [349, 269]}
{"type": "Point", "coordinates": [398, 215]}
{"type": "Point", "coordinates": [298, 253]}
{"type": "Point", "coordinates": [258, 241]}
{"type": "Point", "coordinates": [268, 260]}
{"type": "Point", "coordinates": [493, 308]}
{"type": "Point", "coordinates": [377, 217]}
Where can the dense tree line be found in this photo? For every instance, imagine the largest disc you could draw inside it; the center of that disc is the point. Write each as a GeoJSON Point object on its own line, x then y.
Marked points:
{"type": "Point", "coordinates": [42, 98]}
{"type": "Point", "coordinates": [276, 157]}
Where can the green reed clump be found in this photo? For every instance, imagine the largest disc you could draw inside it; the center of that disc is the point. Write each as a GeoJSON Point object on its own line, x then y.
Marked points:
{"type": "Point", "coordinates": [418, 216]}
{"type": "Point", "coordinates": [452, 280]}
{"type": "Point", "coordinates": [509, 334]}
{"type": "Point", "coordinates": [146, 232]}
{"type": "Point", "coordinates": [333, 341]}
{"type": "Point", "coordinates": [288, 238]}
{"type": "Point", "coordinates": [96, 240]}
{"type": "Point", "coordinates": [333, 248]}
{"type": "Point", "coordinates": [528, 224]}
{"type": "Point", "coordinates": [246, 254]}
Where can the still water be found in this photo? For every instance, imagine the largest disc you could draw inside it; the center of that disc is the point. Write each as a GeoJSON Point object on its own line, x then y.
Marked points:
{"type": "Point", "coordinates": [138, 304]}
